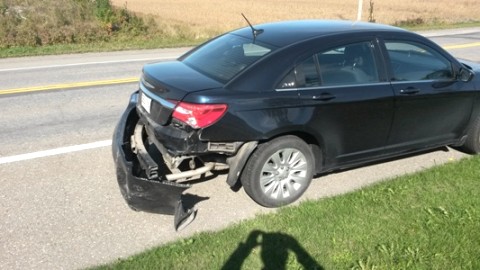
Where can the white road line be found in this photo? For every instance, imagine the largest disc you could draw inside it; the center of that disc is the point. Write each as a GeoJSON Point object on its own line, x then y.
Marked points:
{"type": "Point", "coordinates": [90, 63]}
{"type": "Point", "coordinates": [56, 151]}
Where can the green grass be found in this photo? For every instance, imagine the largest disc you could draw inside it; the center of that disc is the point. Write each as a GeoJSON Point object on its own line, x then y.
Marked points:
{"type": "Point", "coordinates": [116, 45]}
{"type": "Point", "coordinates": [428, 220]}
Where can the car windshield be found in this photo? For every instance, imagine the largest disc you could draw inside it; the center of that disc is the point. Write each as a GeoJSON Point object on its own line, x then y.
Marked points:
{"type": "Point", "coordinates": [225, 56]}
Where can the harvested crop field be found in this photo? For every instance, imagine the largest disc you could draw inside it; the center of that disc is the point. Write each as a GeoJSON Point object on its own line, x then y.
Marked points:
{"type": "Point", "coordinates": [207, 17]}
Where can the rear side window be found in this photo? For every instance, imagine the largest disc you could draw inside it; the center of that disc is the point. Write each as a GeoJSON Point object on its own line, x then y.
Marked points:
{"type": "Point", "coordinates": [344, 65]}
{"type": "Point", "coordinates": [416, 62]}
{"type": "Point", "coordinates": [225, 56]}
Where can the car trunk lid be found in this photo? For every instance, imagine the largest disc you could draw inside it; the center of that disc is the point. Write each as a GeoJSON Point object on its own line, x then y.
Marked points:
{"type": "Point", "coordinates": [164, 84]}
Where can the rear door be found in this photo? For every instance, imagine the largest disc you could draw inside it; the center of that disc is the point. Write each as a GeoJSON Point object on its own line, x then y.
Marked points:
{"type": "Point", "coordinates": [431, 106]}
{"type": "Point", "coordinates": [348, 100]}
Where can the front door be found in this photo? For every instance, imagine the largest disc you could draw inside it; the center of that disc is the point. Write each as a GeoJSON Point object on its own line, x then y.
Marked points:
{"type": "Point", "coordinates": [431, 106]}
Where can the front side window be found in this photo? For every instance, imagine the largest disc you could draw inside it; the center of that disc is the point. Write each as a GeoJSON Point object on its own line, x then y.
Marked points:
{"type": "Point", "coordinates": [224, 57]}
{"type": "Point", "coordinates": [350, 64]}
{"type": "Point", "coordinates": [417, 62]}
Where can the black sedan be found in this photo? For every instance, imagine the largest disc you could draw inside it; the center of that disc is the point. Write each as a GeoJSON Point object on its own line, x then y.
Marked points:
{"type": "Point", "coordinates": [276, 104]}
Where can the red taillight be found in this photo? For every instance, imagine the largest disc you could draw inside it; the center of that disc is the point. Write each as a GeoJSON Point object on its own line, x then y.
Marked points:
{"type": "Point", "coordinates": [199, 115]}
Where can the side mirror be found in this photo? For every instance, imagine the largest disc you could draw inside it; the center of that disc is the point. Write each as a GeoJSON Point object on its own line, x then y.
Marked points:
{"type": "Point", "coordinates": [465, 75]}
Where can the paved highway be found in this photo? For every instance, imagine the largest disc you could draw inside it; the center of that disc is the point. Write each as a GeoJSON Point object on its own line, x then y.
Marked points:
{"type": "Point", "coordinates": [60, 207]}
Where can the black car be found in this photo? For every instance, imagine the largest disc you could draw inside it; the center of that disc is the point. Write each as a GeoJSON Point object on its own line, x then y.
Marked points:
{"type": "Point", "coordinates": [279, 103]}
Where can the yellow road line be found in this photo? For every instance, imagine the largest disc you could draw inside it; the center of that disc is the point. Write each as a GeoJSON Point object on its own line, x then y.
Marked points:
{"type": "Point", "coordinates": [67, 86]}
{"type": "Point", "coordinates": [461, 46]}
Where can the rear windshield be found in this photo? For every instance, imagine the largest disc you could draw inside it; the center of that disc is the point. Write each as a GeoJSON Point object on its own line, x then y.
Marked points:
{"type": "Point", "coordinates": [225, 56]}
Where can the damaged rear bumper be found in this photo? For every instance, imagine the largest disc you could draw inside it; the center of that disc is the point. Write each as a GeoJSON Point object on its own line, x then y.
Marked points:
{"type": "Point", "coordinates": [153, 180]}
{"type": "Point", "coordinates": [141, 191]}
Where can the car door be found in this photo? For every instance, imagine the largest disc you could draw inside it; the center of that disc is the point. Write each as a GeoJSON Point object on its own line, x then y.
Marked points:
{"type": "Point", "coordinates": [431, 106]}
{"type": "Point", "coordinates": [350, 104]}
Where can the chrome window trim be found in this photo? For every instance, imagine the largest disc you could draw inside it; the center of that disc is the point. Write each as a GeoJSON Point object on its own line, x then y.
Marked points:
{"type": "Point", "coordinates": [331, 86]}
{"type": "Point", "coordinates": [421, 81]}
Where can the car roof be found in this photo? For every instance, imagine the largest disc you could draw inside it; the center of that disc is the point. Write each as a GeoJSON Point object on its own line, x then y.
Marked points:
{"type": "Point", "coordinates": [287, 32]}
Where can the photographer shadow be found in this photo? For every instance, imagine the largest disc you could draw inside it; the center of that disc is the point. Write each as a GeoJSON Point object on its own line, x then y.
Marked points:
{"type": "Point", "coordinates": [275, 248]}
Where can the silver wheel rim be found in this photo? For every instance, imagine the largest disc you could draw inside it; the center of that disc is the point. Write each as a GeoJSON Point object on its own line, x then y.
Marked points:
{"type": "Point", "coordinates": [284, 174]}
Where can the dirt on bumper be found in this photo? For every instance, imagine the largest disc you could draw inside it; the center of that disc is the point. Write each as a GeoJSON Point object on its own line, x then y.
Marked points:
{"type": "Point", "coordinates": [143, 194]}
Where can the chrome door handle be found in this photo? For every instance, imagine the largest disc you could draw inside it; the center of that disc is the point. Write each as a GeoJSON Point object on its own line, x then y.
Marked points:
{"type": "Point", "coordinates": [409, 91]}
{"type": "Point", "coordinates": [324, 97]}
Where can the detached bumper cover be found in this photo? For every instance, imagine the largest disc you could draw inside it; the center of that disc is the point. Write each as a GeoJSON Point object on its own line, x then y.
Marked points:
{"type": "Point", "coordinates": [142, 194]}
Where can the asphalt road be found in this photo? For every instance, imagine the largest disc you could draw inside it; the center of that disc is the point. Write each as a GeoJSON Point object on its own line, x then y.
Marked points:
{"type": "Point", "coordinates": [64, 210]}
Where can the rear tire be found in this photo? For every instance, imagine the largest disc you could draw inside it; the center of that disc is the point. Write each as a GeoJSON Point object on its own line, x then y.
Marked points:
{"type": "Point", "coordinates": [279, 171]}
{"type": "Point", "coordinates": [472, 144]}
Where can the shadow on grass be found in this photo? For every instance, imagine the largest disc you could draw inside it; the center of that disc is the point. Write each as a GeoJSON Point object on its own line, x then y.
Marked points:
{"type": "Point", "coordinates": [275, 248]}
